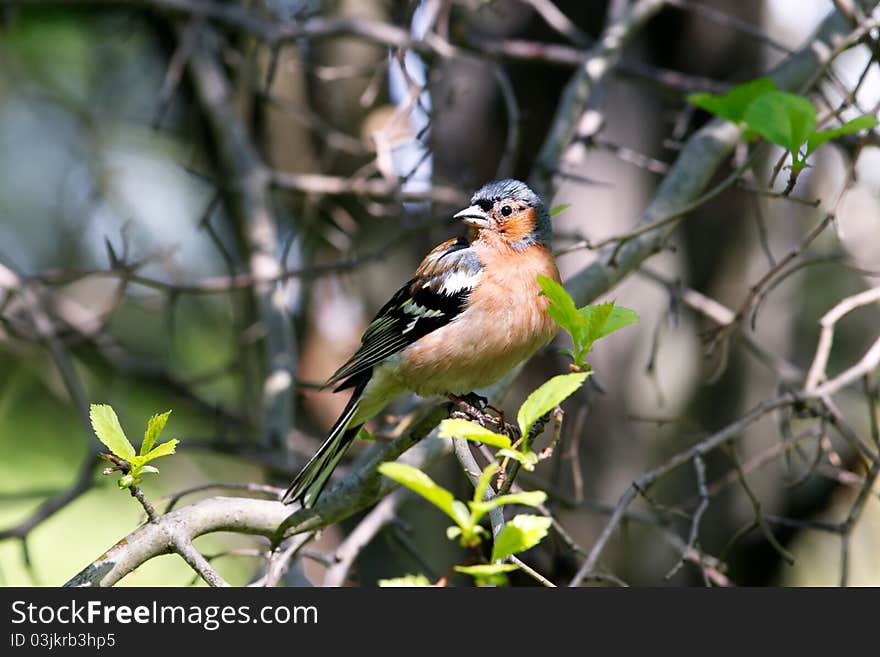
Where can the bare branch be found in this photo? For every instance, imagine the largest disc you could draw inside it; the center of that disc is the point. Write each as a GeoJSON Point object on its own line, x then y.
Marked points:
{"type": "Point", "coordinates": [248, 198]}
{"type": "Point", "coordinates": [381, 515]}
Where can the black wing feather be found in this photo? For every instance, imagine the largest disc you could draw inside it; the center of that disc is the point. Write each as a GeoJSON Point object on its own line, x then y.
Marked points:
{"type": "Point", "coordinates": [416, 309]}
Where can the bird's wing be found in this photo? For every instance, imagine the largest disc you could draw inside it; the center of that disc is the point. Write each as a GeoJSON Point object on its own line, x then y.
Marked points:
{"type": "Point", "coordinates": [435, 296]}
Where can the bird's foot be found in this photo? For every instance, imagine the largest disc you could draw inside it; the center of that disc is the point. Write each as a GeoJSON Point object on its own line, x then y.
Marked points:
{"type": "Point", "coordinates": [470, 401]}
{"type": "Point", "coordinates": [474, 407]}
{"type": "Point", "coordinates": [477, 400]}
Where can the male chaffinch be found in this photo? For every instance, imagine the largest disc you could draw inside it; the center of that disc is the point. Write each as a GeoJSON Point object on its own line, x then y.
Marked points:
{"type": "Point", "coordinates": [471, 312]}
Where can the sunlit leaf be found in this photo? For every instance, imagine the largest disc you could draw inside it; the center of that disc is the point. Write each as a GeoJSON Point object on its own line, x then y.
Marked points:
{"type": "Point", "coordinates": [154, 429]}
{"type": "Point", "coordinates": [595, 318]}
{"type": "Point", "coordinates": [109, 431]}
{"type": "Point", "coordinates": [617, 319]}
{"type": "Point", "coordinates": [528, 460]}
{"type": "Point", "coordinates": [459, 428]}
{"type": "Point", "coordinates": [164, 449]}
{"type": "Point", "coordinates": [486, 569]}
{"type": "Point", "coordinates": [733, 105]}
{"type": "Point", "coordinates": [782, 118]}
{"type": "Point", "coordinates": [864, 122]}
{"type": "Point", "coordinates": [526, 498]}
{"type": "Point", "coordinates": [405, 581]}
{"type": "Point", "coordinates": [521, 533]}
{"type": "Point", "coordinates": [483, 482]}
{"type": "Point", "coordinates": [559, 209]}
{"type": "Point", "coordinates": [547, 397]}
{"type": "Point", "coordinates": [562, 308]}
{"type": "Point", "coordinates": [420, 483]}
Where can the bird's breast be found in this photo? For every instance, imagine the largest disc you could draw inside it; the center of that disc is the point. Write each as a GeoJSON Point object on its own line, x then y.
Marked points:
{"type": "Point", "coordinates": [504, 322]}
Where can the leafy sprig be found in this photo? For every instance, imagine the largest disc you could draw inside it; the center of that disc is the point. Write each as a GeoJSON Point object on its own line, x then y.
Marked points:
{"type": "Point", "coordinates": [523, 532]}
{"type": "Point", "coordinates": [785, 119]}
{"type": "Point", "coordinates": [585, 325]}
{"type": "Point", "coordinates": [109, 431]}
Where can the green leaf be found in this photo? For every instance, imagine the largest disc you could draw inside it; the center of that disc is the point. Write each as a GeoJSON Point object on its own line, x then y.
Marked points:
{"type": "Point", "coordinates": [526, 498]}
{"type": "Point", "coordinates": [562, 308]}
{"type": "Point", "coordinates": [617, 319]}
{"type": "Point", "coordinates": [547, 397]}
{"type": "Point", "coordinates": [782, 118]}
{"type": "Point", "coordinates": [165, 449]}
{"type": "Point", "coordinates": [521, 533]}
{"type": "Point", "coordinates": [126, 481]}
{"type": "Point", "coordinates": [559, 209]}
{"type": "Point", "coordinates": [483, 482]}
{"type": "Point", "coordinates": [453, 532]}
{"type": "Point", "coordinates": [461, 512]}
{"type": "Point", "coordinates": [109, 431]}
{"type": "Point", "coordinates": [863, 122]}
{"type": "Point", "coordinates": [733, 105]}
{"type": "Point", "coordinates": [405, 581]}
{"type": "Point", "coordinates": [527, 459]}
{"type": "Point", "coordinates": [150, 469]}
{"type": "Point", "coordinates": [154, 428]}
{"type": "Point", "coordinates": [595, 318]}
{"type": "Point", "coordinates": [486, 569]}
{"type": "Point", "coordinates": [458, 428]}
{"type": "Point", "coordinates": [363, 434]}
{"type": "Point", "coordinates": [420, 483]}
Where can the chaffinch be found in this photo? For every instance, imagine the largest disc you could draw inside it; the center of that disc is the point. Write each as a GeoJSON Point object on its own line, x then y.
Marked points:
{"type": "Point", "coordinates": [471, 312]}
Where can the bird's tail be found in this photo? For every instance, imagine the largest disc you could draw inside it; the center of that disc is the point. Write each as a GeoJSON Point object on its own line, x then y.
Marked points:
{"type": "Point", "coordinates": [310, 481]}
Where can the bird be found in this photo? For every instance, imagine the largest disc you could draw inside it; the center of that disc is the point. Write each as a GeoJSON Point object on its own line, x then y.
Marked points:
{"type": "Point", "coordinates": [472, 311]}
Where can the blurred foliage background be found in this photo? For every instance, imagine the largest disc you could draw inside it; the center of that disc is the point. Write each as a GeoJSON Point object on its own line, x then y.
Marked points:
{"type": "Point", "coordinates": [115, 211]}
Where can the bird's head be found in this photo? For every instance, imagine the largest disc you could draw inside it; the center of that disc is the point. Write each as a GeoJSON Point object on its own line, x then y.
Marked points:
{"type": "Point", "coordinates": [510, 210]}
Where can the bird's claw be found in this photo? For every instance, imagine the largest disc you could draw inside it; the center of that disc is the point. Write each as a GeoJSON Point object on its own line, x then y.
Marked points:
{"type": "Point", "coordinates": [479, 401]}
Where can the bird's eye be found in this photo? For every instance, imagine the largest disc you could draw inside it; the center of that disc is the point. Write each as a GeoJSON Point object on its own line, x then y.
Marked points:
{"type": "Point", "coordinates": [506, 210]}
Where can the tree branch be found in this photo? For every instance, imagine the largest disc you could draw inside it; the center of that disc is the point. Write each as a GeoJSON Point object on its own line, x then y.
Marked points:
{"type": "Point", "coordinates": [267, 518]}
{"type": "Point", "coordinates": [247, 190]}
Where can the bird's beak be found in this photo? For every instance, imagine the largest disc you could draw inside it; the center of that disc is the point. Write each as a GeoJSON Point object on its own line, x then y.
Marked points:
{"type": "Point", "coordinates": [474, 216]}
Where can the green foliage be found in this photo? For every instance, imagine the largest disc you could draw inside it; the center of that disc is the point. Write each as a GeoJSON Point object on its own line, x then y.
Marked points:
{"type": "Point", "coordinates": [584, 325]}
{"type": "Point", "coordinates": [526, 498]}
{"type": "Point", "coordinates": [538, 404]}
{"type": "Point", "coordinates": [520, 534]}
{"type": "Point", "coordinates": [405, 581]}
{"type": "Point", "coordinates": [733, 105]}
{"type": "Point", "coordinates": [486, 569]}
{"type": "Point", "coordinates": [524, 534]}
{"type": "Point", "coordinates": [546, 398]}
{"type": "Point", "coordinates": [109, 431]}
{"type": "Point", "coordinates": [527, 458]}
{"type": "Point", "coordinates": [863, 122]}
{"type": "Point", "coordinates": [606, 318]}
{"type": "Point", "coordinates": [155, 425]}
{"type": "Point", "coordinates": [457, 428]}
{"type": "Point", "coordinates": [785, 119]}
{"type": "Point", "coordinates": [418, 482]}
{"type": "Point", "coordinates": [488, 574]}
{"type": "Point", "coordinates": [559, 209]}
